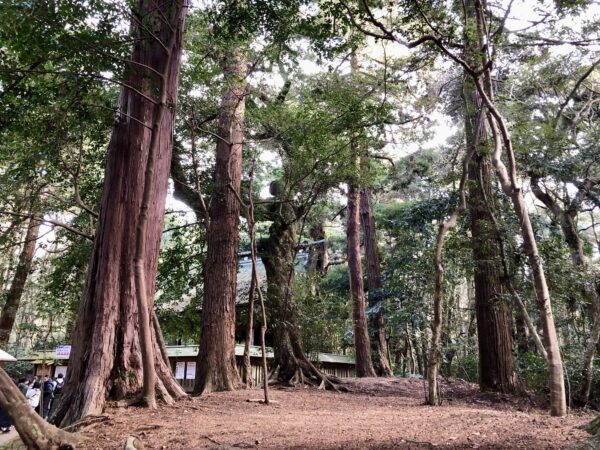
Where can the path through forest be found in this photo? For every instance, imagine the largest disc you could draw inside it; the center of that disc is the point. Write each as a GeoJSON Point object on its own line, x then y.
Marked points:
{"type": "Point", "coordinates": [376, 413]}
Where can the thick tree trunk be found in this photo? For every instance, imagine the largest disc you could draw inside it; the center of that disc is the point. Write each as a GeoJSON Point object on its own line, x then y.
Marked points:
{"type": "Point", "coordinates": [376, 322]}
{"type": "Point", "coordinates": [362, 345]}
{"type": "Point", "coordinates": [476, 13]}
{"type": "Point", "coordinates": [105, 359]}
{"type": "Point", "coordinates": [143, 304]}
{"type": "Point", "coordinates": [496, 361]}
{"type": "Point", "coordinates": [13, 297]}
{"type": "Point", "coordinates": [216, 368]}
{"type": "Point", "coordinates": [277, 253]}
{"type": "Point", "coordinates": [290, 364]}
{"type": "Point", "coordinates": [33, 430]}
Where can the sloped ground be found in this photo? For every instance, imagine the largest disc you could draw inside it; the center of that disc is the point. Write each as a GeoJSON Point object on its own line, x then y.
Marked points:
{"type": "Point", "coordinates": [375, 414]}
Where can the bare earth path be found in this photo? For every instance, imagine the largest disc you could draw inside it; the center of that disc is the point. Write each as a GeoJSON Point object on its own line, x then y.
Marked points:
{"type": "Point", "coordinates": [382, 414]}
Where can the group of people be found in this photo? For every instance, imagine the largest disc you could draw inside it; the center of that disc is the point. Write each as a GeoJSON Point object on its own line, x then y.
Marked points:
{"type": "Point", "coordinates": [40, 395]}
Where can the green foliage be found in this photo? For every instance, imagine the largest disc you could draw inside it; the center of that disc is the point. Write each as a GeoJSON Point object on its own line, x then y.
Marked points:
{"type": "Point", "coordinates": [179, 281]}
{"type": "Point", "coordinates": [324, 311]}
{"type": "Point", "coordinates": [18, 369]}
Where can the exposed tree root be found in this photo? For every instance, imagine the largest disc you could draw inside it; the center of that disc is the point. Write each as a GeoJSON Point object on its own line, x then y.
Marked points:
{"type": "Point", "coordinates": [86, 421]}
{"type": "Point", "coordinates": [306, 374]}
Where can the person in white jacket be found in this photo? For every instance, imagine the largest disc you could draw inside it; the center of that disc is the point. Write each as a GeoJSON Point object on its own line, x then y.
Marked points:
{"type": "Point", "coordinates": [33, 395]}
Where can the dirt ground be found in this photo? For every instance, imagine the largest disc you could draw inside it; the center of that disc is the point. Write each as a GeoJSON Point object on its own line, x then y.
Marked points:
{"type": "Point", "coordinates": [375, 414]}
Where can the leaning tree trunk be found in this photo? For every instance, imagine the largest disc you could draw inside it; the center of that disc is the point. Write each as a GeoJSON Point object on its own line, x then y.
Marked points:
{"type": "Point", "coordinates": [379, 350]}
{"type": "Point", "coordinates": [558, 404]}
{"type": "Point", "coordinates": [105, 359]}
{"type": "Point", "coordinates": [566, 219]}
{"type": "Point", "coordinates": [216, 368]}
{"type": "Point", "coordinates": [510, 186]}
{"type": "Point", "coordinates": [13, 297]}
{"type": "Point", "coordinates": [34, 431]}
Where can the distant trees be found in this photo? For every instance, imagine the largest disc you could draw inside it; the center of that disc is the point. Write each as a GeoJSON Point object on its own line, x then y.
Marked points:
{"type": "Point", "coordinates": [13, 297]}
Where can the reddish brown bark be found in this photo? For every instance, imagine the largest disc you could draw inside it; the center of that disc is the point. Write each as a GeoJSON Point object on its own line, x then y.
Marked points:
{"type": "Point", "coordinates": [216, 368]}
{"type": "Point", "coordinates": [379, 346]}
{"type": "Point", "coordinates": [362, 346]}
{"type": "Point", "coordinates": [496, 361]}
{"type": "Point", "coordinates": [105, 359]}
{"type": "Point", "coordinates": [13, 297]}
{"type": "Point", "coordinates": [475, 12]}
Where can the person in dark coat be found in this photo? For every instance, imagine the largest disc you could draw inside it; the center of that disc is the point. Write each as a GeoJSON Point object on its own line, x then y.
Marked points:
{"type": "Point", "coordinates": [48, 395]}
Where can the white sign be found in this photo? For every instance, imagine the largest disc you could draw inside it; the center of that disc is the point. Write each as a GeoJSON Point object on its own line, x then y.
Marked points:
{"type": "Point", "coordinates": [62, 351]}
{"type": "Point", "coordinates": [180, 370]}
{"type": "Point", "coordinates": [190, 373]}
{"type": "Point", "coordinates": [60, 369]}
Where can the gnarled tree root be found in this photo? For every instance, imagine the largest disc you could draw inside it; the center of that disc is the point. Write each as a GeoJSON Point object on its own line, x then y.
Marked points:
{"type": "Point", "coordinates": [306, 373]}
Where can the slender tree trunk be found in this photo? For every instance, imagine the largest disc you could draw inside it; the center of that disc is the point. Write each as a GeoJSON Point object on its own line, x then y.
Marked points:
{"type": "Point", "coordinates": [318, 257]}
{"type": "Point", "coordinates": [587, 371]}
{"type": "Point", "coordinates": [106, 359]}
{"type": "Point", "coordinates": [433, 395]}
{"type": "Point", "coordinates": [216, 368]}
{"type": "Point", "coordinates": [515, 193]}
{"type": "Point", "coordinates": [377, 323]}
{"type": "Point", "coordinates": [568, 226]}
{"type": "Point", "coordinates": [249, 334]}
{"type": "Point", "coordinates": [13, 297]}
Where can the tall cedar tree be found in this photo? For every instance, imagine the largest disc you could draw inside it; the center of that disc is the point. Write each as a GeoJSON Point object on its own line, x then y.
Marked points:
{"type": "Point", "coordinates": [379, 347]}
{"type": "Point", "coordinates": [496, 362]}
{"type": "Point", "coordinates": [106, 359]}
{"type": "Point", "coordinates": [216, 368]}
{"type": "Point", "coordinates": [362, 346]}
